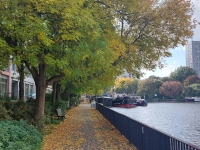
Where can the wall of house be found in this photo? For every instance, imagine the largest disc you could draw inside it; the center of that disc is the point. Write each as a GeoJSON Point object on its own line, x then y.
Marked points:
{"type": "Point", "coordinates": [5, 80]}
{"type": "Point", "coordinates": [9, 83]}
{"type": "Point", "coordinates": [29, 84]}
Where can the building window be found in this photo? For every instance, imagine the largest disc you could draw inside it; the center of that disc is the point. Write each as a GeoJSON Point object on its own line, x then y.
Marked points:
{"type": "Point", "coordinates": [14, 67]}
{"type": "Point", "coordinates": [3, 85]}
{"type": "Point", "coordinates": [26, 91]}
{"type": "Point", "coordinates": [31, 92]}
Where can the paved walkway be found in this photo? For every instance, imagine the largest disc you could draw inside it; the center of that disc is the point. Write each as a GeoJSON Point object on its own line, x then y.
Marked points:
{"type": "Point", "coordinates": [85, 129]}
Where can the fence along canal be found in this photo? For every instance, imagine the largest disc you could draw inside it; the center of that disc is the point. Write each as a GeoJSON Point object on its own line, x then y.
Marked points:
{"type": "Point", "coordinates": [142, 136]}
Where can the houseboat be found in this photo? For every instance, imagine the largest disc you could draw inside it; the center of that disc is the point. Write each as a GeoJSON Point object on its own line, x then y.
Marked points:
{"type": "Point", "coordinates": [192, 99]}
{"type": "Point", "coordinates": [142, 102]}
{"type": "Point", "coordinates": [124, 102]}
{"type": "Point", "coordinates": [139, 101]}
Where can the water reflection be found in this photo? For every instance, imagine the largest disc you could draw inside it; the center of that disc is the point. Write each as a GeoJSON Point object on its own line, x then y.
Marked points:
{"type": "Point", "coordinates": [182, 120]}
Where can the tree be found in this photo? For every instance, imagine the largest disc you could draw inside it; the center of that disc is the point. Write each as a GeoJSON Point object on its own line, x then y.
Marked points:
{"type": "Point", "coordinates": [148, 87]}
{"type": "Point", "coordinates": [192, 90]}
{"type": "Point", "coordinates": [79, 39]}
{"type": "Point", "coordinates": [132, 86]}
{"type": "Point", "coordinates": [191, 80]}
{"type": "Point", "coordinates": [52, 40]}
{"type": "Point", "coordinates": [20, 69]}
{"type": "Point", "coordinates": [152, 77]}
{"type": "Point", "coordinates": [189, 91]}
{"type": "Point", "coordinates": [121, 84]}
{"type": "Point", "coordinates": [181, 73]}
{"type": "Point", "coordinates": [195, 86]}
{"type": "Point", "coordinates": [164, 79]}
{"type": "Point", "coordinates": [171, 89]}
{"type": "Point", "coordinates": [126, 85]}
{"type": "Point", "coordinates": [4, 54]}
{"type": "Point", "coordinates": [149, 29]}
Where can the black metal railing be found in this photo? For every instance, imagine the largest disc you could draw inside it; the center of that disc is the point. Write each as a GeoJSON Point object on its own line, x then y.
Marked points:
{"type": "Point", "coordinates": [142, 136]}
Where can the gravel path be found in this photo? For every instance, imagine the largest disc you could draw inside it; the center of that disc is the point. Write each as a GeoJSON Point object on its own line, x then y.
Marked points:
{"type": "Point", "coordinates": [85, 129]}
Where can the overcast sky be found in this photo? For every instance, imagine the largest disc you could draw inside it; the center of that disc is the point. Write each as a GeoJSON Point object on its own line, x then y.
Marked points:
{"type": "Point", "coordinates": [178, 54]}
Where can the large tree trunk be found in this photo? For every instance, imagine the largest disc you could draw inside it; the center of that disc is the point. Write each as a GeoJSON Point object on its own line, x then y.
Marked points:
{"type": "Point", "coordinates": [40, 98]}
{"type": "Point", "coordinates": [40, 82]}
{"type": "Point", "coordinates": [58, 92]}
{"type": "Point", "coordinates": [21, 82]}
{"type": "Point", "coordinates": [54, 92]}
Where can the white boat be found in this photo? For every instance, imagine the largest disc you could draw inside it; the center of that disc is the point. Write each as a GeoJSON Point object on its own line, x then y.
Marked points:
{"type": "Point", "coordinates": [196, 99]}
{"type": "Point", "coordinates": [192, 99]}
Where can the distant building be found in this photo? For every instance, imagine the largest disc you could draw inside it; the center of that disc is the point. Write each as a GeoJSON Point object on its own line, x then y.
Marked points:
{"type": "Point", "coordinates": [193, 55]}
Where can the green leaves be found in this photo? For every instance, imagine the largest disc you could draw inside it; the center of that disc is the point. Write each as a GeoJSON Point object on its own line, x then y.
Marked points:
{"type": "Point", "coordinates": [19, 135]}
{"type": "Point", "coordinates": [181, 73]}
{"type": "Point", "coordinates": [149, 87]}
{"type": "Point", "coordinates": [149, 29]}
{"type": "Point", "coordinates": [90, 42]}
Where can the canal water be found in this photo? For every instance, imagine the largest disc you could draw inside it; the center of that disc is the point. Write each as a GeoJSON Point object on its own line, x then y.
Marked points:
{"type": "Point", "coordinates": [181, 120]}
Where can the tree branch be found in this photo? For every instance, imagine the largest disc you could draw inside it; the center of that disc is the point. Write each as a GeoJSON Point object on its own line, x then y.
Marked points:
{"type": "Point", "coordinates": [54, 79]}
{"type": "Point", "coordinates": [95, 75]}
{"type": "Point", "coordinates": [32, 69]}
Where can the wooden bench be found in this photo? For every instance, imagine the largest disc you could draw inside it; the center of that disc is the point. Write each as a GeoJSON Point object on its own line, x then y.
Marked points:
{"type": "Point", "coordinates": [60, 114]}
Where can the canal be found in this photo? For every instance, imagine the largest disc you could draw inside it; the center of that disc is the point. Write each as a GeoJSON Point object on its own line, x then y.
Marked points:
{"type": "Point", "coordinates": [181, 120]}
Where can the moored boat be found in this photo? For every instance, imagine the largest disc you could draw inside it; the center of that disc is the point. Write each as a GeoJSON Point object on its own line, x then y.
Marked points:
{"type": "Point", "coordinates": [192, 99]}
{"type": "Point", "coordinates": [189, 99]}
{"type": "Point", "coordinates": [197, 99]}
{"type": "Point", "coordinates": [142, 102]}
{"type": "Point", "coordinates": [124, 102]}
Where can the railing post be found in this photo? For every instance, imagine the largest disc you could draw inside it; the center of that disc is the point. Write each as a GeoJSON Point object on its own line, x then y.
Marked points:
{"type": "Point", "coordinates": [142, 138]}
{"type": "Point", "coordinates": [142, 129]}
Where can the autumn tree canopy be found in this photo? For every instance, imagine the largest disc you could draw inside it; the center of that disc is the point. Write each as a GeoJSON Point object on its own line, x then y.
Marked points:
{"type": "Point", "coordinates": [171, 89]}
{"type": "Point", "coordinates": [191, 80]}
{"type": "Point", "coordinates": [55, 39]}
{"type": "Point", "coordinates": [92, 41]}
{"type": "Point", "coordinates": [126, 85]}
{"type": "Point", "coordinates": [148, 87]}
{"type": "Point", "coordinates": [149, 29]}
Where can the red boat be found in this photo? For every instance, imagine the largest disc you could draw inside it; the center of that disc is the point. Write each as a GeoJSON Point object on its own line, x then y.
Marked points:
{"type": "Point", "coordinates": [125, 102]}
{"type": "Point", "coordinates": [189, 99]}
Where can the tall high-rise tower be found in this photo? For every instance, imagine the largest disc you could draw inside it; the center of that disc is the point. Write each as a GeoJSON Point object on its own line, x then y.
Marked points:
{"type": "Point", "coordinates": [193, 55]}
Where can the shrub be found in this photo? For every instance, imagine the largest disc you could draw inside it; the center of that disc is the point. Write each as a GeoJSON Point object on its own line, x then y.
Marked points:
{"type": "Point", "coordinates": [19, 135]}
{"type": "Point", "coordinates": [8, 104]}
{"type": "Point", "coordinates": [74, 101]}
{"type": "Point", "coordinates": [3, 113]}
{"type": "Point", "coordinates": [48, 97]}
{"type": "Point", "coordinates": [61, 103]}
{"type": "Point", "coordinates": [4, 98]}
{"type": "Point", "coordinates": [48, 109]}
{"type": "Point", "coordinates": [22, 110]}
{"type": "Point", "coordinates": [25, 110]}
